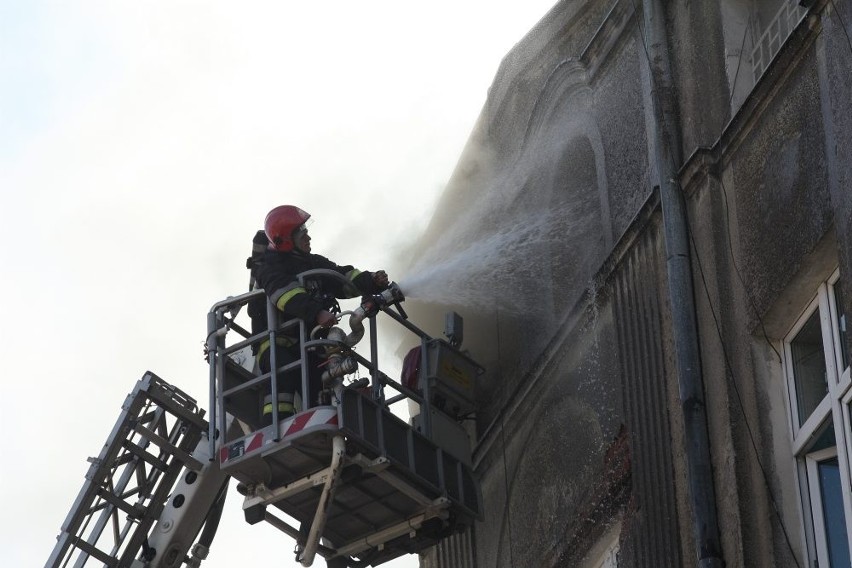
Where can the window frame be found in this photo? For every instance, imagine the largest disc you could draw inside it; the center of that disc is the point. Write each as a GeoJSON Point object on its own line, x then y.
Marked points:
{"type": "Point", "coordinates": [750, 38]}
{"type": "Point", "coordinates": [802, 433]}
{"type": "Point", "coordinates": [812, 461]}
{"type": "Point", "coordinates": [844, 374]}
{"type": "Point", "coordinates": [835, 408]}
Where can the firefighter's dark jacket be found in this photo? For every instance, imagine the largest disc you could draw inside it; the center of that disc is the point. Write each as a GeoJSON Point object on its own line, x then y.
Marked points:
{"type": "Point", "coordinates": [276, 273]}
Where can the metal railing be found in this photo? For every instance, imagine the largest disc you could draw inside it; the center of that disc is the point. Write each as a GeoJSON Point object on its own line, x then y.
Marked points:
{"type": "Point", "coordinates": [221, 321]}
{"type": "Point", "coordinates": [774, 35]}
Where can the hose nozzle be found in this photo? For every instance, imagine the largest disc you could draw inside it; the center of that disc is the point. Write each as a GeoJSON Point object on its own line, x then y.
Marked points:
{"type": "Point", "coordinates": [392, 294]}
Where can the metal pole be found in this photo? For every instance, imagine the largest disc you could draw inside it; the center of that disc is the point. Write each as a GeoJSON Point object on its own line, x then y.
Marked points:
{"type": "Point", "coordinates": [426, 406]}
{"type": "Point", "coordinates": [212, 330]}
{"type": "Point", "coordinates": [303, 359]}
{"type": "Point", "coordinates": [378, 387]}
{"type": "Point", "coordinates": [272, 320]}
{"type": "Point", "coordinates": [690, 377]}
{"type": "Point", "coordinates": [220, 376]}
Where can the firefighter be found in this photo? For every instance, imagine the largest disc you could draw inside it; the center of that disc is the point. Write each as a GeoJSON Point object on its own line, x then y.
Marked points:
{"type": "Point", "coordinates": [275, 270]}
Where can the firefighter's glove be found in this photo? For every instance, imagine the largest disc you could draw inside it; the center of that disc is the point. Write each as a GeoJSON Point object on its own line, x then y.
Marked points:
{"type": "Point", "coordinates": [326, 319]}
{"type": "Point", "coordinates": [380, 279]}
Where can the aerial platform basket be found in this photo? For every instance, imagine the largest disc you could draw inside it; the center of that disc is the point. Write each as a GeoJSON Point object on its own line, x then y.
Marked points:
{"type": "Point", "coordinates": [394, 490]}
{"type": "Point", "coordinates": [355, 483]}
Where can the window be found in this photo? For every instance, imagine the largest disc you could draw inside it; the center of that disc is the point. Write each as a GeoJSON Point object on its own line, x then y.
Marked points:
{"type": "Point", "coordinates": [774, 22]}
{"type": "Point", "coordinates": [755, 31]}
{"type": "Point", "coordinates": [827, 498]}
{"type": "Point", "coordinates": [816, 364]}
{"type": "Point", "coordinates": [808, 362]}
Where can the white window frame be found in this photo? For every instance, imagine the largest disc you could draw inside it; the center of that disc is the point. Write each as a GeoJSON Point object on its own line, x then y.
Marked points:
{"type": "Point", "coordinates": [804, 432]}
{"type": "Point", "coordinates": [845, 379]}
{"type": "Point", "coordinates": [812, 462]}
{"type": "Point", "coordinates": [835, 407]}
{"type": "Point", "coordinates": [844, 457]}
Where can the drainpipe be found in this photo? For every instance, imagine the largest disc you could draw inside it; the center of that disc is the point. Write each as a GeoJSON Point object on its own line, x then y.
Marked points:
{"type": "Point", "coordinates": [668, 158]}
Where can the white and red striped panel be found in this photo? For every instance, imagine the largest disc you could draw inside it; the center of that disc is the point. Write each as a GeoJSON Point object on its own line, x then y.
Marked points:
{"type": "Point", "coordinates": [316, 417]}
{"type": "Point", "coordinates": [304, 420]}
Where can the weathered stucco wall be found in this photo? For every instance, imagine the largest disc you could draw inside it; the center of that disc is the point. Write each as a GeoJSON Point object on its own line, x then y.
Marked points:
{"type": "Point", "coordinates": [554, 450]}
{"type": "Point", "coordinates": [549, 451]}
{"type": "Point", "coordinates": [580, 430]}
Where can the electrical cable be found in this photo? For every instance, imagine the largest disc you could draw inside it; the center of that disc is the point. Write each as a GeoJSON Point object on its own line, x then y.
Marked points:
{"type": "Point", "coordinates": [725, 191]}
{"type": "Point", "coordinates": [730, 369]}
{"type": "Point", "coordinates": [740, 276]}
{"type": "Point", "coordinates": [728, 365]}
{"type": "Point", "coordinates": [842, 25]}
{"type": "Point", "coordinates": [727, 210]}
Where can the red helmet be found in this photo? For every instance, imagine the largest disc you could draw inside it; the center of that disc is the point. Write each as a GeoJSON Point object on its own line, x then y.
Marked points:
{"type": "Point", "coordinates": [280, 225]}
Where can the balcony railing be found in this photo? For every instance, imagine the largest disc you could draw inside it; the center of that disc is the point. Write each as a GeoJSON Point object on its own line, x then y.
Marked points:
{"type": "Point", "coordinates": [774, 35]}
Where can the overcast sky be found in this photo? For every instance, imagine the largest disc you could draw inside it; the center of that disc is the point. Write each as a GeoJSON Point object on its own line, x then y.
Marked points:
{"type": "Point", "coordinates": [141, 145]}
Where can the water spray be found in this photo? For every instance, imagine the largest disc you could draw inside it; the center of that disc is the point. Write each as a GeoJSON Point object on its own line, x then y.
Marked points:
{"type": "Point", "coordinates": [506, 266]}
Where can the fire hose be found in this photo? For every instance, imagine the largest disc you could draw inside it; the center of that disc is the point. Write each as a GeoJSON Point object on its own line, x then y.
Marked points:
{"type": "Point", "coordinates": [338, 365]}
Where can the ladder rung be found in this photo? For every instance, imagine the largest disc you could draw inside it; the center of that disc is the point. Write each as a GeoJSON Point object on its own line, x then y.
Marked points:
{"type": "Point", "coordinates": [132, 511]}
{"type": "Point", "coordinates": [142, 454]}
{"type": "Point", "coordinates": [147, 417]}
{"type": "Point", "coordinates": [122, 459]}
{"type": "Point", "coordinates": [164, 444]}
{"type": "Point", "coordinates": [126, 495]}
{"type": "Point", "coordinates": [99, 555]}
{"type": "Point", "coordinates": [163, 398]}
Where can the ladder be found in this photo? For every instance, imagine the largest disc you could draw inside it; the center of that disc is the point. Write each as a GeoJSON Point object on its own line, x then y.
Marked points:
{"type": "Point", "coordinates": [129, 483]}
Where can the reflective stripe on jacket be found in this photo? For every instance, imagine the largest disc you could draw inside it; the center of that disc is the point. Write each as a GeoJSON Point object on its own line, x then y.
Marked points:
{"type": "Point", "coordinates": [276, 272]}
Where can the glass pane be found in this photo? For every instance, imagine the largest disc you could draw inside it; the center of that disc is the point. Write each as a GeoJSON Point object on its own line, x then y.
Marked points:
{"type": "Point", "coordinates": [841, 325]}
{"type": "Point", "coordinates": [832, 509]}
{"type": "Point", "coordinates": [826, 438]}
{"type": "Point", "coordinates": [809, 371]}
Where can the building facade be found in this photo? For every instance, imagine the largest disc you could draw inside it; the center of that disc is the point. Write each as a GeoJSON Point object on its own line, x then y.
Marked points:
{"type": "Point", "coordinates": [649, 234]}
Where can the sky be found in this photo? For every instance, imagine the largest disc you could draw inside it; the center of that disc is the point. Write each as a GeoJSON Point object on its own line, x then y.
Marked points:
{"type": "Point", "coordinates": [141, 145]}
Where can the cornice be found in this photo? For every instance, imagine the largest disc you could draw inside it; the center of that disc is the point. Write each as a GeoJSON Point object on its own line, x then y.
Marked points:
{"type": "Point", "coordinates": [607, 35]}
